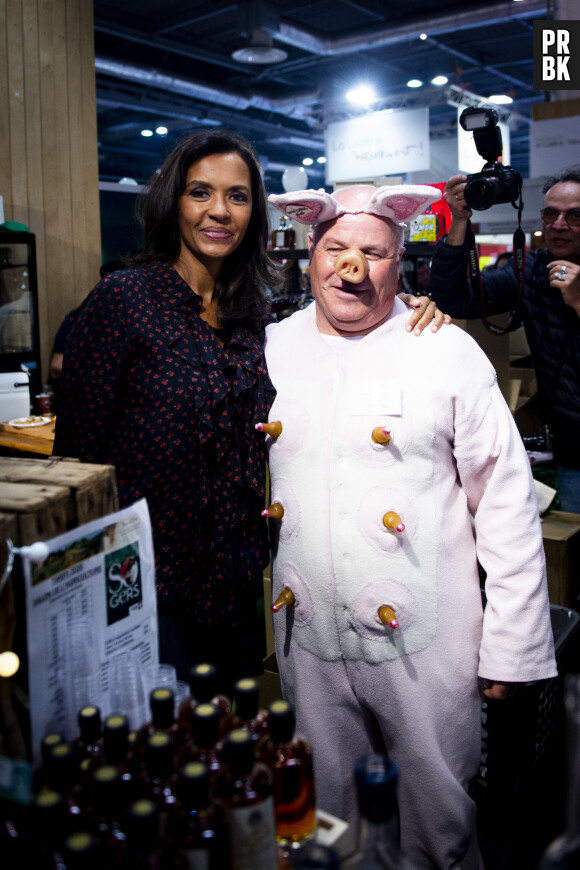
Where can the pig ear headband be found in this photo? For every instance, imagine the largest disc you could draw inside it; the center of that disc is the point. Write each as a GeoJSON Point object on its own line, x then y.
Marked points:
{"type": "Point", "coordinates": [398, 202]}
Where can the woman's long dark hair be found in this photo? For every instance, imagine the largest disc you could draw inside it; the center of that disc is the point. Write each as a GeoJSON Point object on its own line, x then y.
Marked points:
{"type": "Point", "coordinates": [241, 288]}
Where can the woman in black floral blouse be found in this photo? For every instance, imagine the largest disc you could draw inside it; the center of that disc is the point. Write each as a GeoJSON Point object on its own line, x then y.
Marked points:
{"type": "Point", "coordinates": [164, 378]}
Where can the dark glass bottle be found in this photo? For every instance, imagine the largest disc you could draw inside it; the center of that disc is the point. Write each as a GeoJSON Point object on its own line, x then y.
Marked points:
{"type": "Point", "coordinates": [289, 757]}
{"type": "Point", "coordinates": [89, 743]}
{"type": "Point", "coordinates": [105, 807]}
{"type": "Point", "coordinates": [145, 848]}
{"type": "Point", "coordinates": [196, 826]}
{"type": "Point", "coordinates": [203, 686]}
{"type": "Point", "coordinates": [376, 778]}
{"type": "Point", "coordinates": [48, 741]}
{"type": "Point", "coordinates": [203, 744]}
{"type": "Point", "coordinates": [117, 752]}
{"type": "Point", "coordinates": [246, 711]}
{"type": "Point", "coordinates": [162, 706]}
{"type": "Point", "coordinates": [81, 851]}
{"type": "Point", "coordinates": [244, 787]}
{"type": "Point", "coordinates": [47, 826]}
{"type": "Point", "coordinates": [62, 775]}
{"type": "Point", "coordinates": [158, 781]}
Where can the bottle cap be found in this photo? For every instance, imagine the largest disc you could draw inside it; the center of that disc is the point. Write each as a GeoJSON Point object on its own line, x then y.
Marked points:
{"type": "Point", "coordinates": [281, 721]}
{"type": "Point", "coordinates": [247, 698]}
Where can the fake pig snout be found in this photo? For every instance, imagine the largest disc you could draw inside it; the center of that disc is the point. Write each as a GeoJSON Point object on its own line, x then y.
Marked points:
{"type": "Point", "coordinates": [351, 265]}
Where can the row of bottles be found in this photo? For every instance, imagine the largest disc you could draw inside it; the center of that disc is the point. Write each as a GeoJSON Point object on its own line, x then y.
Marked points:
{"type": "Point", "coordinates": [216, 786]}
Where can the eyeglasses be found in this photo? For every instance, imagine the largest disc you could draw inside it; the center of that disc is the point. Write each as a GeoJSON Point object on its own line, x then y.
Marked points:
{"type": "Point", "coordinates": [551, 215]}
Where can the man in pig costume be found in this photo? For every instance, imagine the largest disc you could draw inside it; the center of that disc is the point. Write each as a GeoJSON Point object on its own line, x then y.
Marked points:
{"type": "Point", "coordinates": [398, 466]}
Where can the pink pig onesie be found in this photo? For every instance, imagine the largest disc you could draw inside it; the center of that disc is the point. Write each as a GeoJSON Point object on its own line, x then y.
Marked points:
{"type": "Point", "coordinates": [456, 472]}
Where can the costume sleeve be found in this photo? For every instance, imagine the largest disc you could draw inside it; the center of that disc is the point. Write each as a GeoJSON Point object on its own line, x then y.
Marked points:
{"type": "Point", "coordinates": [91, 383]}
{"type": "Point", "coordinates": [450, 288]}
{"type": "Point", "coordinates": [517, 642]}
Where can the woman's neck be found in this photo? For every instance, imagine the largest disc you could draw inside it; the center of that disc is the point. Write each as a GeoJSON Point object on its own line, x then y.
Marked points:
{"type": "Point", "coordinates": [202, 282]}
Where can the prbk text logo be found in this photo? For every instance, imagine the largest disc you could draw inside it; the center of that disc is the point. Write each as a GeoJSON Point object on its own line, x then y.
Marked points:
{"type": "Point", "coordinates": [556, 55]}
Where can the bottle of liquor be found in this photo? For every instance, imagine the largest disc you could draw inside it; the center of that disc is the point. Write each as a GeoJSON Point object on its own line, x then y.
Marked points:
{"type": "Point", "coordinates": [81, 851]}
{"type": "Point", "coordinates": [145, 848]}
{"type": "Point", "coordinates": [203, 745]}
{"type": "Point", "coordinates": [203, 685]}
{"type": "Point", "coordinates": [284, 236]}
{"type": "Point", "coordinates": [564, 852]}
{"type": "Point", "coordinates": [376, 784]}
{"type": "Point", "coordinates": [162, 705]}
{"type": "Point", "coordinates": [89, 743]}
{"type": "Point", "coordinates": [158, 781]}
{"type": "Point", "coordinates": [244, 787]}
{"type": "Point", "coordinates": [62, 775]}
{"type": "Point", "coordinates": [289, 757]}
{"type": "Point", "coordinates": [246, 712]}
{"type": "Point", "coordinates": [48, 741]}
{"type": "Point", "coordinates": [196, 826]}
{"type": "Point", "coordinates": [106, 804]}
{"type": "Point", "coordinates": [45, 830]}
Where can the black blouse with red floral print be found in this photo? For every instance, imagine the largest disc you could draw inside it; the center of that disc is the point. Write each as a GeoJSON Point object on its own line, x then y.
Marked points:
{"type": "Point", "coordinates": [147, 387]}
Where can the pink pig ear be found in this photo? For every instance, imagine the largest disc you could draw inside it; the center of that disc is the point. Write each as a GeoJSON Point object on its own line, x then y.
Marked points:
{"type": "Point", "coordinates": [402, 202]}
{"type": "Point", "coordinates": [307, 206]}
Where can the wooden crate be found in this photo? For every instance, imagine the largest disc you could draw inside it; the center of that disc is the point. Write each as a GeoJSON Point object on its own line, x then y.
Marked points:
{"type": "Point", "coordinates": [39, 499]}
{"type": "Point", "coordinates": [46, 497]}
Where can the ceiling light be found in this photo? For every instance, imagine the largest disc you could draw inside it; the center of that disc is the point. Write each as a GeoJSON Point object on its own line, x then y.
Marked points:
{"type": "Point", "coordinates": [321, 159]}
{"type": "Point", "coordinates": [500, 99]}
{"type": "Point", "coordinates": [147, 133]}
{"type": "Point", "coordinates": [423, 36]}
{"type": "Point", "coordinates": [260, 49]}
{"type": "Point", "coordinates": [308, 161]}
{"type": "Point", "coordinates": [414, 83]}
{"type": "Point", "coordinates": [362, 95]}
{"type": "Point", "coordinates": [161, 131]}
{"type": "Point", "coordinates": [439, 80]}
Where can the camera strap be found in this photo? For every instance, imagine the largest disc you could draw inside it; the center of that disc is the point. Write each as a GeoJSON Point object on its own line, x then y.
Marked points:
{"type": "Point", "coordinates": [474, 275]}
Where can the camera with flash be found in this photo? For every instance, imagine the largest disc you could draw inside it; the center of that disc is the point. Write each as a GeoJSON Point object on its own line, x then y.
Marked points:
{"type": "Point", "coordinates": [495, 183]}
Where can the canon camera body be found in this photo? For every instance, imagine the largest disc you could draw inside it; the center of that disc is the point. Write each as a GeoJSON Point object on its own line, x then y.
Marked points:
{"type": "Point", "coordinates": [495, 183]}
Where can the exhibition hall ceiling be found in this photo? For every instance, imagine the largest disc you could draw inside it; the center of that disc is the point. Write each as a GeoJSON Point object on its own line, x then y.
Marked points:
{"type": "Point", "coordinates": [174, 65]}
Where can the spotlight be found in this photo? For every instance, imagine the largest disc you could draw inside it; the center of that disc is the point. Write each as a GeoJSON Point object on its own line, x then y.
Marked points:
{"type": "Point", "coordinates": [147, 133]}
{"type": "Point", "coordinates": [308, 161]}
{"type": "Point", "coordinates": [414, 83]}
{"type": "Point", "coordinates": [439, 80]}
{"type": "Point", "coordinates": [362, 95]}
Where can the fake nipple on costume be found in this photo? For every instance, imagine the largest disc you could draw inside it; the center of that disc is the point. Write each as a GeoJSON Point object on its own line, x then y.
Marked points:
{"type": "Point", "coordinates": [285, 599]}
{"type": "Point", "coordinates": [275, 511]}
{"type": "Point", "coordinates": [387, 614]}
{"type": "Point", "coordinates": [274, 429]}
{"type": "Point", "coordinates": [380, 435]}
{"type": "Point", "coordinates": [393, 522]}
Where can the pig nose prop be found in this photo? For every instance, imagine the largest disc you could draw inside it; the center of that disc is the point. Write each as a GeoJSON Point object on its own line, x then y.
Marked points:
{"type": "Point", "coordinates": [351, 265]}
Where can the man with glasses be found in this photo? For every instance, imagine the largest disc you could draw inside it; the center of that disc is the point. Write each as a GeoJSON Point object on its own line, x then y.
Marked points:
{"type": "Point", "coordinates": [548, 306]}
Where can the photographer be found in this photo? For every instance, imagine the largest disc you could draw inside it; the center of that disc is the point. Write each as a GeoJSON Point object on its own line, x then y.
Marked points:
{"type": "Point", "coordinates": [548, 307]}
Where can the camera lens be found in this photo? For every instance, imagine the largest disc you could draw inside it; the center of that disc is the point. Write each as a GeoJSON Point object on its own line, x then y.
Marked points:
{"type": "Point", "coordinates": [480, 193]}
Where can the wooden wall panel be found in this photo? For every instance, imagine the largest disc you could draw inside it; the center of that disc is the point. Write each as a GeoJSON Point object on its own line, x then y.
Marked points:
{"type": "Point", "coordinates": [49, 171]}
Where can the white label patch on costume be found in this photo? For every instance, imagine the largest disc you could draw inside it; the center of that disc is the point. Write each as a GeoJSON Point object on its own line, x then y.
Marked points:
{"type": "Point", "coordinates": [375, 398]}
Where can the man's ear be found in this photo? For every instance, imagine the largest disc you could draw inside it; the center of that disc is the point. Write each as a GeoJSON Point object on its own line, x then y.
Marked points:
{"type": "Point", "coordinates": [310, 246]}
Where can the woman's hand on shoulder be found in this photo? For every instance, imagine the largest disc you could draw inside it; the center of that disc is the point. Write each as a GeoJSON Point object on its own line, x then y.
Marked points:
{"type": "Point", "coordinates": [425, 314]}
